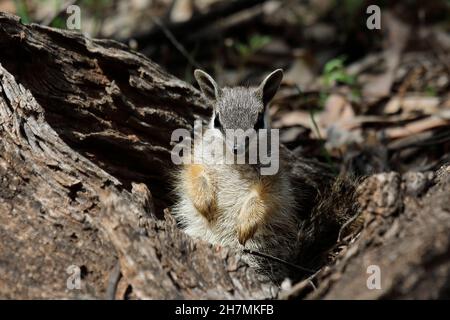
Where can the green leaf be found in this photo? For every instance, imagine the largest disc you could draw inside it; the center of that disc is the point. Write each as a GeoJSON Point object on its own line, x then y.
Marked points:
{"type": "Point", "coordinates": [22, 11]}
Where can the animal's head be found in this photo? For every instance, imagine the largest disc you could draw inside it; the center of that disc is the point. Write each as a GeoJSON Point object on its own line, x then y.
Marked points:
{"type": "Point", "coordinates": [239, 107]}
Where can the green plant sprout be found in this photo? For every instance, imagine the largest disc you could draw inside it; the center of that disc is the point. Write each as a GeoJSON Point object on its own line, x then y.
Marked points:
{"type": "Point", "coordinates": [334, 73]}
{"type": "Point", "coordinates": [22, 11]}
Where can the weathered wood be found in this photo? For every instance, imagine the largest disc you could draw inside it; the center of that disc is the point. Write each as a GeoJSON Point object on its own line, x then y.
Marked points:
{"type": "Point", "coordinates": [406, 235]}
{"type": "Point", "coordinates": [85, 130]}
{"type": "Point", "coordinates": [115, 106]}
{"type": "Point", "coordinates": [57, 208]}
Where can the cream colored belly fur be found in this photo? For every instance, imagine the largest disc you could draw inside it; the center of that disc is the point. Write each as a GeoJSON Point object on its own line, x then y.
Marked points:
{"type": "Point", "coordinates": [245, 210]}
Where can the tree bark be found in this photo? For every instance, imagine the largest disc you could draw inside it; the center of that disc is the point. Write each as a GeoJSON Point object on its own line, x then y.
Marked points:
{"type": "Point", "coordinates": [85, 129]}
{"type": "Point", "coordinates": [405, 238]}
{"type": "Point", "coordinates": [58, 209]}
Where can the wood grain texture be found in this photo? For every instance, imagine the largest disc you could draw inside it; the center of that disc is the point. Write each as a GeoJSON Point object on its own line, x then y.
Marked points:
{"type": "Point", "coordinates": [85, 131]}
{"type": "Point", "coordinates": [58, 208]}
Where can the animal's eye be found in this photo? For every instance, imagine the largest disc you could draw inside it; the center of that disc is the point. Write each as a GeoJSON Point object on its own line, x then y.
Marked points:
{"type": "Point", "coordinates": [217, 123]}
{"type": "Point", "coordinates": [260, 121]}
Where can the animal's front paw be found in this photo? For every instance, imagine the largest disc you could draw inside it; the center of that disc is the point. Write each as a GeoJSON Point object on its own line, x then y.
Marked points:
{"type": "Point", "coordinates": [252, 216]}
{"type": "Point", "coordinates": [205, 204]}
{"type": "Point", "coordinates": [246, 230]}
{"type": "Point", "coordinates": [201, 191]}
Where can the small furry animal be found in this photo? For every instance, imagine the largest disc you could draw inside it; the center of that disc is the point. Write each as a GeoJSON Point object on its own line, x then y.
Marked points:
{"type": "Point", "coordinates": [234, 204]}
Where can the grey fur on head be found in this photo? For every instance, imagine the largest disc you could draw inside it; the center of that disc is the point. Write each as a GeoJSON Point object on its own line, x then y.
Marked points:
{"type": "Point", "coordinates": [240, 107]}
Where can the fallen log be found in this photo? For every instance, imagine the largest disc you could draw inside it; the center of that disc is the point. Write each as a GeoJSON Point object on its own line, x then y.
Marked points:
{"type": "Point", "coordinates": [405, 242]}
{"type": "Point", "coordinates": [85, 129]}
{"type": "Point", "coordinates": [58, 209]}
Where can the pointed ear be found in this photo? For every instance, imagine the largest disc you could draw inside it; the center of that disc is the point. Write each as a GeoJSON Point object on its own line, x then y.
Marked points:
{"type": "Point", "coordinates": [207, 84]}
{"type": "Point", "coordinates": [270, 85]}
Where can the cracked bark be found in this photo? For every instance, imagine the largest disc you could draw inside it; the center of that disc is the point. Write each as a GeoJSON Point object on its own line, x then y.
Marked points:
{"type": "Point", "coordinates": [59, 208]}
{"type": "Point", "coordinates": [85, 128]}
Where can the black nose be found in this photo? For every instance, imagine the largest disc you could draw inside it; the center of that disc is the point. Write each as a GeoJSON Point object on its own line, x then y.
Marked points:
{"type": "Point", "coordinates": [235, 150]}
